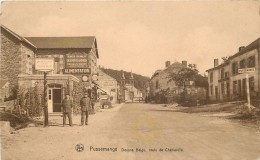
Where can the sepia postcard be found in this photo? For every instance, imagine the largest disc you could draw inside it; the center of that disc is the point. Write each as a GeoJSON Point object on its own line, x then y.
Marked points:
{"type": "Point", "coordinates": [130, 80]}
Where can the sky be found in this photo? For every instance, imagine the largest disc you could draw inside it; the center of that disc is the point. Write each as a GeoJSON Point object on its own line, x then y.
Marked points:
{"type": "Point", "coordinates": [141, 36]}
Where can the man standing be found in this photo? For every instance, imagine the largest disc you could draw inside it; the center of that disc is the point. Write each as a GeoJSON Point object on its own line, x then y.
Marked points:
{"type": "Point", "coordinates": [85, 104]}
{"type": "Point", "coordinates": [67, 106]}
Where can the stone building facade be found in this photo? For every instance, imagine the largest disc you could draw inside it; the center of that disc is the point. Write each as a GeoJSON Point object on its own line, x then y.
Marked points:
{"type": "Point", "coordinates": [17, 57]}
{"type": "Point", "coordinates": [74, 58]}
{"type": "Point", "coordinates": [225, 81]}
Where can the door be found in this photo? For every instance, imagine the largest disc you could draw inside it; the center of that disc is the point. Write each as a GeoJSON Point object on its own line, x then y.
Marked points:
{"type": "Point", "coordinates": [244, 88]}
{"type": "Point", "coordinates": [228, 89]}
{"type": "Point", "coordinates": [239, 88]}
{"type": "Point", "coordinates": [56, 100]}
{"type": "Point", "coordinates": [216, 93]}
{"type": "Point", "coordinates": [50, 103]}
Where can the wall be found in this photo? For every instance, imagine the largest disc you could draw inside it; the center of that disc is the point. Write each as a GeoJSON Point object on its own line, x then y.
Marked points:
{"type": "Point", "coordinates": [214, 83]}
{"type": "Point", "coordinates": [59, 54]}
{"type": "Point", "coordinates": [109, 84]}
{"type": "Point", "coordinates": [16, 58]}
{"type": "Point", "coordinates": [10, 57]}
{"type": "Point", "coordinates": [243, 75]}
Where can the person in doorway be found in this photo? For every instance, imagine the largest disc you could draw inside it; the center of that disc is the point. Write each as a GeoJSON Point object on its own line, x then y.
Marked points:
{"type": "Point", "coordinates": [67, 106]}
{"type": "Point", "coordinates": [85, 104]}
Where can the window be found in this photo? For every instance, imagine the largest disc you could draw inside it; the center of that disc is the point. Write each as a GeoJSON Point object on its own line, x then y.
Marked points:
{"type": "Point", "coordinates": [222, 74]}
{"type": "Point", "coordinates": [243, 63]}
{"type": "Point", "coordinates": [157, 85]}
{"type": "Point", "coordinates": [234, 68]}
{"type": "Point", "coordinates": [226, 74]}
{"type": "Point", "coordinates": [211, 77]}
{"type": "Point", "coordinates": [251, 62]}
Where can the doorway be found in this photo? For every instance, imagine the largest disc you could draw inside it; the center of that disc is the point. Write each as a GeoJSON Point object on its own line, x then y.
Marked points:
{"type": "Point", "coordinates": [216, 93]}
{"type": "Point", "coordinates": [54, 98]}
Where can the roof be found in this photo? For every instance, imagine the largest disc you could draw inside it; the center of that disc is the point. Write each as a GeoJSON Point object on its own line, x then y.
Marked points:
{"type": "Point", "coordinates": [254, 45]}
{"type": "Point", "coordinates": [62, 42]}
{"type": "Point", "coordinates": [85, 42]}
{"type": "Point", "coordinates": [219, 66]}
{"type": "Point", "coordinates": [18, 37]}
{"type": "Point", "coordinates": [174, 66]}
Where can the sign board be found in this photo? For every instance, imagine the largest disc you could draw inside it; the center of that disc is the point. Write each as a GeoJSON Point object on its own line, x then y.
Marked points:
{"type": "Point", "coordinates": [248, 70]}
{"type": "Point", "coordinates": [94, 77]}
{"type": "Point", "coordinates": [76, 61]}
{"type": "Point", "coordinates": [84, 78]}
{"type": "Point", "coordinates": [76, 70]}
{"type": "Point", "coordinates": [44, 64]}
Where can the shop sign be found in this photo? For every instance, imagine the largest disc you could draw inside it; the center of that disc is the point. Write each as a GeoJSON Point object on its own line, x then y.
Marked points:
{"type": "Point", "coordinates": [76, 71]}
{"type": "Point", "coordinates": [247, 70]}
{"type": "Point", "coordinates": [76, 61]}
{"type": "Point", "coordinates": [44, 64]}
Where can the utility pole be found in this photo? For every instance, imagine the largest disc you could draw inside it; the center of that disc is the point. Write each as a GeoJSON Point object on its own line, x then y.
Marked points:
{"type": "Point", "coordinates": [46, 122]}
{"type": "Point", "coordinates": [248, 92]}
{"type": "Point", "coordinates": [246, 71]}
{"type": "Point", "coordinates": [44, 65]}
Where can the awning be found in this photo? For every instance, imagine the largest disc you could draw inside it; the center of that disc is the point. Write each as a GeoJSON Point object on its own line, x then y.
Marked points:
{"type": "Point", "coordinates": [99, 87]}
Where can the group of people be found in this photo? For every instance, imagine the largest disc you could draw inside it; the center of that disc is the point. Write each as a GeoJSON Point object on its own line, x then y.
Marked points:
{"type": "Point", "coordinates": [85, 105]}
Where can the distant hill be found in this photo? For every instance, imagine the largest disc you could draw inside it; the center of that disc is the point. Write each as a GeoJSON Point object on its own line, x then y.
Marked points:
{"type": "Point", "coordinates": [139, 80]}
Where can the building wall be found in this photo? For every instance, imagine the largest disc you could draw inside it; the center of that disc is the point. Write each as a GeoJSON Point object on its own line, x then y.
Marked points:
{"type": "Point", "coordinates": [78, 89]}
{"type": "Point", "coordinates": [161, 82]}
{"type": "Point", "coordinates": [242, 76]}
{"type": "Point", "coordinates": [223, 83]}
{"type": "Point", "coordinates": [10, 57]}
{"type": "Point", "coordinates": [16, 58]}
{"type": "Point", "coordinates": [237, 81]}
{"type": "Point", "coordinates": [109, 84]}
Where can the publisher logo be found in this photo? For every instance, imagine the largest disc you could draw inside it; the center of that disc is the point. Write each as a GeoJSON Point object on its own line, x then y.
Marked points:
{"type": "Point", "coordinates": [79, 147]}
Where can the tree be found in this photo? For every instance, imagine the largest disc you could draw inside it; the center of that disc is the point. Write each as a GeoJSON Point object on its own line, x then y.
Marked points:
{"type": "Point", "coordinates": [225, 59]}
{"type": "Point", "coordinates": [183, 75]}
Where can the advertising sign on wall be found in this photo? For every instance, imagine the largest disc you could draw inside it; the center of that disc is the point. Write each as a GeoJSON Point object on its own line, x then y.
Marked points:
{"type": "Point", "coordinates": [44, 64]}
{"type": "Point", "coordinates": [76, 70]}
{"type": "Point", "coordinates": [76, 61]}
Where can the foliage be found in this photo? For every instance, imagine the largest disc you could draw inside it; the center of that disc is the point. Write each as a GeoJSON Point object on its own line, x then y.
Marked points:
{"type": "Point", "coordinates": [225, 59]}
{"type": "Point", "coordinates": [13, 94]}
{"type": "Point", "coordinates": [183, 75]}
{"type": "Point", "coordinates": [201, 81]}
{"type": "Point", "coordinates": [30, 101]}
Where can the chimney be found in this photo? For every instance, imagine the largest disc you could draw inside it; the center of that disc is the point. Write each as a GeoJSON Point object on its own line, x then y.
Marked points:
{"type": "Point", "coordinates": [215, 62]}
{"type": "Point", "coordinates": [184, 63]}
{"type": "Point", "coordinates": [241, 48]}
{"type": "Point", "coordinates": [167, 64]}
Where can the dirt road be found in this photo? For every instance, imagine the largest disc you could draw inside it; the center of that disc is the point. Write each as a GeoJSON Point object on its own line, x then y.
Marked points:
{"type": "Point", "coordinates": [136, 131]}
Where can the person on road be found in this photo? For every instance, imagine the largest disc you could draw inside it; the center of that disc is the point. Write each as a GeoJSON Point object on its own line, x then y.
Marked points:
{"type": "Point", "coordinates": [85, 104]}
{"type": "Point", "coordinates": [67, 106]}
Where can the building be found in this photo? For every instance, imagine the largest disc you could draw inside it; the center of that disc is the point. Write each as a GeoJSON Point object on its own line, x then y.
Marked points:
{"type": "Point", "coordinates": [162, 90]}
{"type": "Point", "coordinates": [107, 85]}
{"type": "Point", "coordinates": [17, 57]}
{"type": "Point", "coordinates": [128, 92]}
{"type": "Point", "coordinates": [226, 82]}
{"type": "Point", "coordinates": [74, 61]}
